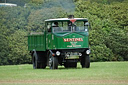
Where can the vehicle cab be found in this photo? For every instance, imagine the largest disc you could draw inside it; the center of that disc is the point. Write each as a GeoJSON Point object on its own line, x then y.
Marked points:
{"type": "Point", "coordinates": [67, 41]}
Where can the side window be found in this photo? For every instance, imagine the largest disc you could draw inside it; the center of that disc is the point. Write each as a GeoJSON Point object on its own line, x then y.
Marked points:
{"type": "Point", "coordinates": [67, 26]}
{"type": "Point", "coordinates": [80, 25]}
{"type": "Point", "coordinates": [57, 26]}
{"type": "Point", "coordinates": [86, 24]}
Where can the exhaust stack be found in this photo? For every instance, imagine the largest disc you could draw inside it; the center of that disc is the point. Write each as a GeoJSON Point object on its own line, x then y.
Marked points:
{"type": "Point", "coordinates": [71, 16]}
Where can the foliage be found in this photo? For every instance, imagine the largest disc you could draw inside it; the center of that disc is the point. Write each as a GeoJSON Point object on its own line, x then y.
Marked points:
{"type": "Point", "coordinates": [3, 45]}
{"type": "Point", "coordinates": [108, 34]}
{"type": "Point", "coordinates": [18, 45]}
{"type": "Point", "coordinates": [37, 17]}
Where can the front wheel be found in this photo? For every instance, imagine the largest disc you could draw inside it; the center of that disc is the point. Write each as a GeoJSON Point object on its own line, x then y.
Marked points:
{"type": "Point", "coordinates": [85, 61]}
{"type": "Point", "coordinates": [53, 62]}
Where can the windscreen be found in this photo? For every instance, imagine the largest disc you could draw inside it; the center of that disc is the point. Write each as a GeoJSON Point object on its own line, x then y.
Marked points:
{"type": "Point", "coordinates": [67, 26]}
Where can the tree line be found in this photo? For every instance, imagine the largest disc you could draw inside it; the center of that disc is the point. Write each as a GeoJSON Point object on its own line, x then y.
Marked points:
{"type": "Point", "coordinates": [108, 34]}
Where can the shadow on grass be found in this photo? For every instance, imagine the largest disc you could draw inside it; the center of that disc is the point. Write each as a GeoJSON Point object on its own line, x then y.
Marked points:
{"type": "Point", "coordinates": [63, 68]}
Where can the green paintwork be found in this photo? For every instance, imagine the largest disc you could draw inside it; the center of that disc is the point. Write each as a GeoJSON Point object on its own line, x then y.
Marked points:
{"type": "Point", "coordinates": [56, 41]}
{"type": "Point", "coordinates": [37, 42]}
{"type": "Point", "coordinates": [48, 40]}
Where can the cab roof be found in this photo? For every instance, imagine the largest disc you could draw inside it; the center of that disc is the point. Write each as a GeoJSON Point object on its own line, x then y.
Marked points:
{"type": "Point", "coordinates": [66, 19]}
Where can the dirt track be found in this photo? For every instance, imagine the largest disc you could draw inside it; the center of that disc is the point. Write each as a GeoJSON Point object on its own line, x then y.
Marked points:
{"type": "Point", "coordinates": [65, 82]}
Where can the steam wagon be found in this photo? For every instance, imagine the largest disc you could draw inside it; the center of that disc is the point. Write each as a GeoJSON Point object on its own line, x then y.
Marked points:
{"type": "Point", "coordinates": [64, 41]}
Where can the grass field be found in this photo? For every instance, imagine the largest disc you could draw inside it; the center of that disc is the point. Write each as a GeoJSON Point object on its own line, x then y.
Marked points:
{"type": "Point", "coordinates": [100, 73]}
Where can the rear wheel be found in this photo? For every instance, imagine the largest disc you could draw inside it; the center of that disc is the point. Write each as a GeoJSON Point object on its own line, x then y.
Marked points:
{"type": "Point", "coordinates": [36, 65]}
{"type": "Point", "coordinates": [39, 61]}
{"type": "Point", "coordinates": [85, 61]}
{"type": "Point", "coordinates": [53, 62]}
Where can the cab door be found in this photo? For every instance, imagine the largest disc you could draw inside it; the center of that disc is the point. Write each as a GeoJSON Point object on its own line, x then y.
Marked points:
{"type": "Point", "coordinates": [49, 43]}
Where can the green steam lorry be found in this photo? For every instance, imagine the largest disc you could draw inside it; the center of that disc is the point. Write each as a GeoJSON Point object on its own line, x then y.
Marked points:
{"type": "Point", "coordinates": [64, 41]}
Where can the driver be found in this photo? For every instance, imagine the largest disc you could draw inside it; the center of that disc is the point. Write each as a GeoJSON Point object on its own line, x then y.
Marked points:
{"type": "Point", "coordinates": [55, 24]}
{"type": "Point", "coordinates": [56, 28]}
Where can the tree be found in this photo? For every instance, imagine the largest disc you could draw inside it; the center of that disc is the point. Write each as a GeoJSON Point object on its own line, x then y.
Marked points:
{"type": "Point", "coordinates": [37, 17]}
{"type": "Point", "coordinates": [3, 45]}
{"type": "Point", "coordinates": [109, 28]}
{"type": "Point", "coordinates": [18, 53]}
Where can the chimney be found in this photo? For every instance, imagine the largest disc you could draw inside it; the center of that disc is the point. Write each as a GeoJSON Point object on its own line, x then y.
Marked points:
{"type": "Point", "coordinates": [71, 16]}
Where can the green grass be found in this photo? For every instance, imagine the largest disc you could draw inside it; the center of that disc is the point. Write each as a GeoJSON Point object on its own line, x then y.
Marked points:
{"type": "Point", "coordinates": [100, 73]}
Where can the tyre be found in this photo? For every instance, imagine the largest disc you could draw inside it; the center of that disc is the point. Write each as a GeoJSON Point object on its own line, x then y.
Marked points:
{"type": "Point", "coordinates": [85, 61]}
{"type": "Point", "coordinates": [34, 62]}
{"type": "Point", "coordinates": [36, 65]}
{"type": "Point", "coordinates": [53, 62]}
{"type": "Point", "coordinates": [39, 62]}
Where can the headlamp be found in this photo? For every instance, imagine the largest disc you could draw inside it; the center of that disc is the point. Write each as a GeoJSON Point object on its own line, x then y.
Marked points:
{"type": "Point", "coordinates": [57, 53]}
{"type": "Point", "coordinates": [88, 52]}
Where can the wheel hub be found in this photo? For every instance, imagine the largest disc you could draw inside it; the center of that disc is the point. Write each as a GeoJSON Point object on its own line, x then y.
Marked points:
{"type": "Point", "coordinates": [50, 61]}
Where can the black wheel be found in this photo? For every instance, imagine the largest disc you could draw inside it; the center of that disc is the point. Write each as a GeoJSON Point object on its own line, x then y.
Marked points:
{"type": "Point", "coordinates": [53, 62]}
{"type": "Point", "coordinates": [36, 65]}
{"type": "Point", "coordinates": [34, 62]}
{"type": "Point", "coordinates": [39, 61]}
{"type": "Point", "coordinates": [70, 64]}
{"type": "Point", "coordinates": [85, 61]}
